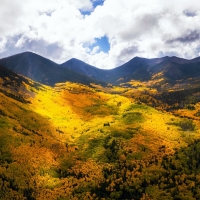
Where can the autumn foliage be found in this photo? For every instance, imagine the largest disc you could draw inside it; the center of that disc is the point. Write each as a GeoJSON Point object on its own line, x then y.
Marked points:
{"type": "Point", "coordinates": [79, 142]}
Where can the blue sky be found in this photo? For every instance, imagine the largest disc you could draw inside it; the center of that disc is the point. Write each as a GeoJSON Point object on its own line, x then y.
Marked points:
{"type": "Point", "coordinates": [104, 34]}
{"type": "Point", "coordinates": [95, 3]}
{"type": "Point", "coordinates": [102, 43]}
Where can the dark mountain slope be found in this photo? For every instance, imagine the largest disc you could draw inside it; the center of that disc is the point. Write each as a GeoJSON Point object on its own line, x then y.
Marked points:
{"type": "Point", "coordinates": [142, 68]}
{"type": "Point", "coordinates": [136, 68]}
{"type": "Point", "coordinates": [175, 70]}
{"type": "Point", "coordinates": [15, 86]}
{"type": "Point", "coordinates": [168, 68]}
{"type": "Point", "coordinates": [88, 70]}
{"type": "Point", "coordinates": [194, 60]}
{"type": "Point", "coordinates": [9, 77]}
{"type": "Point", "coordinates": [41, 69]}
{"type": "Point", "coordinates": [154, 61]}
{"type": "Point", "coordinates": [190, 70]}
{"type": "Point", "coordinates": [82, 67]}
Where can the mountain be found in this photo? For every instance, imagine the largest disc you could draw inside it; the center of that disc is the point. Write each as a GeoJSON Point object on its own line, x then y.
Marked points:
{"type": "Point", "coordinates": [42, 70]}
{"type": "Point", "coordinates": [9, 77]}
{"type": "Point", "coordinates": [105, 76]}
{"type": "Point", "coordinates": [83, 68]}
{"type": "Point", "coordinates": [15, 86]}
{"type": "Point", "coordinates": [142, 69]}
{"type": "Point", "coordinates": [174, 72]}
{"type": "Point", "coordinates": [134, 69]}
{"type": "Point", "coordinates": [168, 69]}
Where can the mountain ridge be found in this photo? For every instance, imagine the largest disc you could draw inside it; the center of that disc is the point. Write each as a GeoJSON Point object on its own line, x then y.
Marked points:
{"type": "Point", "coordinates": [42, 70]}
{"type": "Point", "coordinates": [47, 72]}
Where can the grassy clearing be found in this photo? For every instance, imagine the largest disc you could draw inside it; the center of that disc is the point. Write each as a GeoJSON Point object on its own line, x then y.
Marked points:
{"type": "Point", "coordinates": [132, 117]}
{"type": "Point", "coordinates": [138, 106]}
{"type": "Point", "coordinates": [184, 125]}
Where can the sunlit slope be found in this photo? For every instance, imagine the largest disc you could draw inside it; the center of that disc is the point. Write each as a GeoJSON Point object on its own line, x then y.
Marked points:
{"type": "Point", "coordinates": [27, 146]}
{"type": "Point", "coordinates": [74, 108]}
{"type": "Point", "coordinates": [78, 112]}
{"type": "Point", "coordinates": [79, 142]}
{"type": "Point", "coordinates": [95, 122]}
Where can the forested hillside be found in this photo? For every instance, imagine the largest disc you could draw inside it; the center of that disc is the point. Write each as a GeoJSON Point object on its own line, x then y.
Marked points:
{"type": "Point", "coordinates": [74, 141]}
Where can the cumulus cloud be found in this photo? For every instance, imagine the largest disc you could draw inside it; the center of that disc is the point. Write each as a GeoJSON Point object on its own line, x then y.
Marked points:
{"type": "Point", "coordinates": [2, 44]}
{"type": "Point", "coordinates": [95, 50]}
{"type": "Point", "coordinates": [59, 30]}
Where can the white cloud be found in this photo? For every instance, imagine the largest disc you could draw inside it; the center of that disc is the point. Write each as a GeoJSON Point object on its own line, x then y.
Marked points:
{"type": "Point", "coordinates": [56, 29]}
{"type": "Point", "coordinates": [2, 44]}
{"type": "Point", "coordinates": [95, 50]}
{"type": "Point", "coordinates": [10, 12]}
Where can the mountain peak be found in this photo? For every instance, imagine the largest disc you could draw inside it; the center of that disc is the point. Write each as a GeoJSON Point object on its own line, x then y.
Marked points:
{"type": "Point", "coordinates": [75, 61]}
{"type": "Point", "coordinates": [81, 67]}
{"type": "Point", "coordinates": [26, 53]}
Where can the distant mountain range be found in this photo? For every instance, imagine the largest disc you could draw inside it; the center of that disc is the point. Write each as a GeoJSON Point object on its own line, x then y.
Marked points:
{"type": "Point", "coordinates": [42, 70]}
{"type": "Point", "coordinates": [45, 71]}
